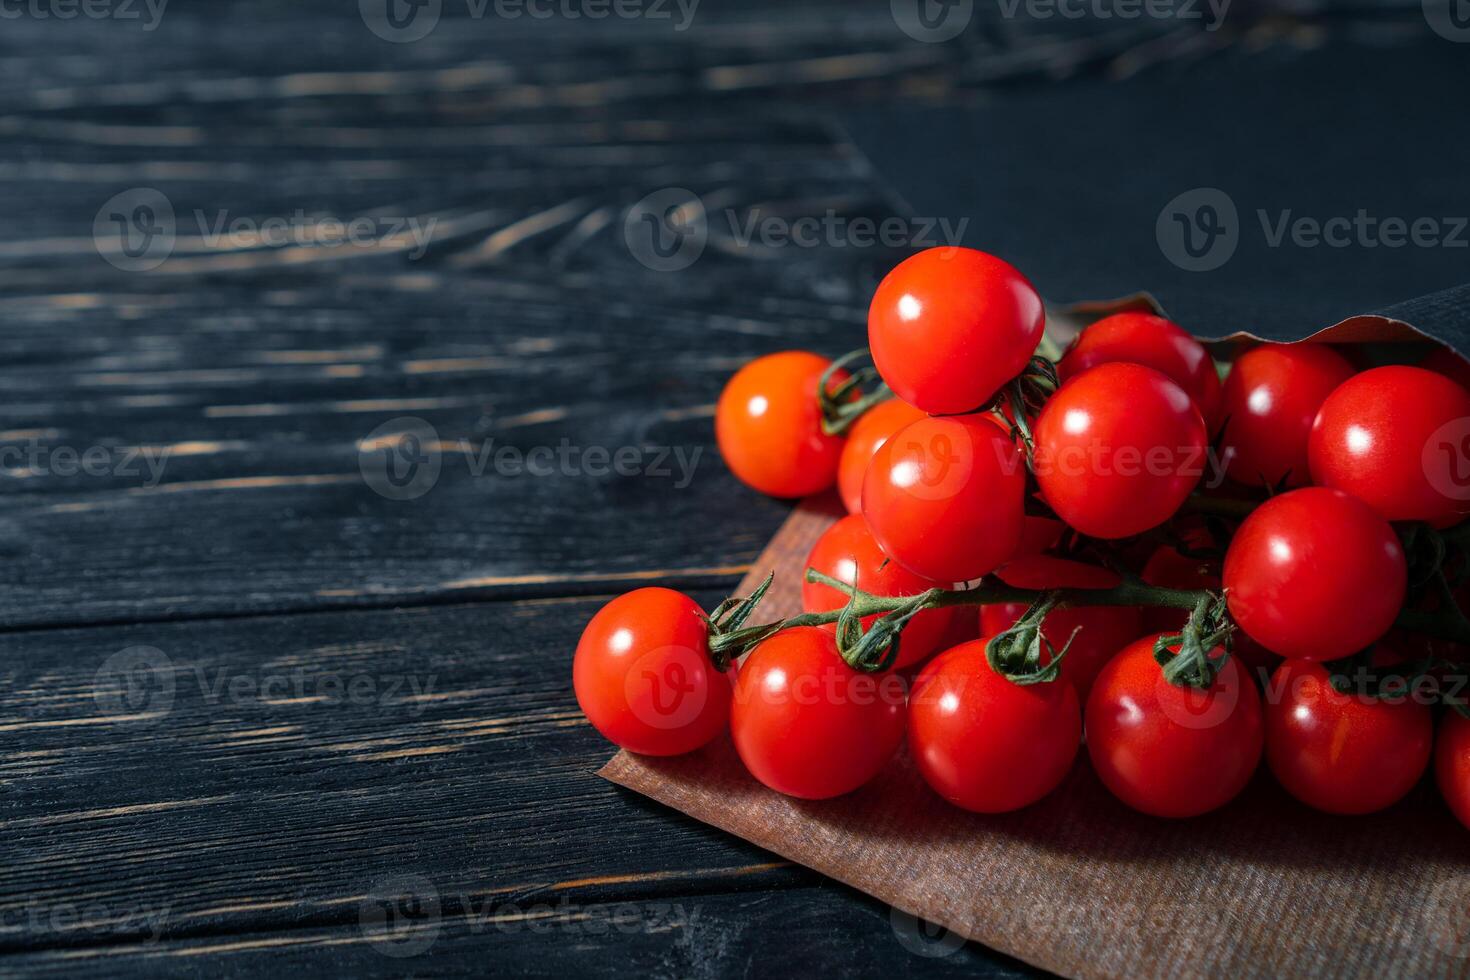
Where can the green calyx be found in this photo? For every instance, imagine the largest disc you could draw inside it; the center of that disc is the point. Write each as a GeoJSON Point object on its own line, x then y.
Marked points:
{"type": "Point", "coordinates": [1209, 627]}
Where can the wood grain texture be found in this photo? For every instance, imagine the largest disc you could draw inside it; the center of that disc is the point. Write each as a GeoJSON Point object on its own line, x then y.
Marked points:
{"type": "Point", "coordinates": [201, 778]}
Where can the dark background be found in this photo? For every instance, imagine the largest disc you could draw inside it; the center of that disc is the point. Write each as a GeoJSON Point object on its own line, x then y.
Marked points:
{"type": "Point", "coordinates": [257, 716]}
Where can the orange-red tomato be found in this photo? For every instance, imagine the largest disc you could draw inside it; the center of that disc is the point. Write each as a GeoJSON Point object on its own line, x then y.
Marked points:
{"type": "Point", "coordinates": [768, 424]}
{"type": "Point", "coordinates": [1118, 449]}
{"type": "Point", "coordinates": [985, 743]}
{"type": "Point", "coordinates": [1452, 764]}
{"type": "Point", "coordinates": [808, 725]}
{"type": "Point", "coordinates": [1397, 438]}
{"type": "Point", "coordinates": [869, 432]}
{"type": "Point", "coordinates": [944, 496]}
{"type": "Point", "coordinates": [1270, 399]}
{"type": "Point", "coordinates": [643, 676]}
{"type": "Point", "coordinates": [1172, 751]}
{"type": "Point", "coordinates": [950, 326]}
{"type": "Point", "coordinates": [1315, 574]}
{"type": "Point", "coordinates": [1343, 753]}
{"type": "Point", "coordinates": [847, 552]}
{"type": "Point", "coordinates": [1144, 338]}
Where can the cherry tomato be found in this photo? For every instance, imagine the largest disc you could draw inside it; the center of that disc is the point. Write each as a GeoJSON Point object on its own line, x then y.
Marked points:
{"type": "Point", "coordinates": [768, 424]}
{"type": "Point", "coordinates": [1397, 438]}
{"type": "Point", "coordinates": [847, 552]}
{"type": "Point", "coordinates": [1172, 751]}
{"type": "Point", "coordinates": [1343, 753]}
{"type": "Point", "coordinates": [944, 497]}
{"type": "Point", "coordinates": [964, 626]}
{"type": "Point", "coordinates": [1118, 449]}
{"type": "Point", "coordinates": [808, 725]}
{"type": "Point", "coordinates": [949, 326]}
{"type": "Point", "coordinates": [1443, 360]}
{"type": "Point", "coordinates": [869, 432]}
{"type": "Point", "coordinates": [1315, 574]}
{"type": "Point", "coordinates": [1143, 338]}
{"type": "Point", "coordinates": [1452, 764]}
{"type": "Point", "coordinates": [985, 743]}
{"type": "Point", "coordinates": [1038, 534]}
{"type": "Point", "coordinates": [1100, 631]}
{"type": "Point", "coordinates": [1270, 399]}
{"type": "Point", "coordinates": [643, 675]}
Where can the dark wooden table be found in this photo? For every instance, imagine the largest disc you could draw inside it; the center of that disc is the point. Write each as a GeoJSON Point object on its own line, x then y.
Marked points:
{"type": "Point", "coordinates": [256, 714]}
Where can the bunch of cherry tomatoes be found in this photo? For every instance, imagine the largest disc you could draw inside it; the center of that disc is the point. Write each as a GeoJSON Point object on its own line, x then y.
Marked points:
{"type": "Point", "coordinates": [1109, 550]}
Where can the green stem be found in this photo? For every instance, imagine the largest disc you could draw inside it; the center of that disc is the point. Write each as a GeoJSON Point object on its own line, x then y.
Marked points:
{"type": "Point", "coordinates": [1200, 503]}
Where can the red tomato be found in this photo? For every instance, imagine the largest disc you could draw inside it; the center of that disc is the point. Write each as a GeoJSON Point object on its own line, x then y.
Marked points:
{"type": "Point", "coordinates": [1452, 764]}
{"type": "Point", "coordinates": [1101, 631]}
{"type": "Point", "coordinates": [944, 497]}
{"type": "Point", "coordinates": [964, 626]}
{"type": "Point", "coordinates": [1443, 360]}
{"type": "Point", "coordinates": [1171, 570]}
{"type": "Point", "coordinates": [768, 424]}
{"type": "Point", "coordinates": [985, 743]}
{"type": "Point", "coordinates": [808, 725]}
{"type": "Point", "coordinates": [1397, 438]}
{"type": "Point", "coordinates": [1343, 753]}
{"type": "Point", "coordinates": [1143, 338]}
{"type": "Point", "coordinates": [949, 326]}
{"type": "Point", "coordinates": [1172, 751]}
{"type": "Point", "coordinates": [848, 553]}
{"type": "Point", "coordinates": [1315, 574]}
{"type": "Point", "coordinates": [643, 675]}
{"type": "Point", "coordinates": [1038, 534]}
{"type": "Point", "coordinates": [869, 432]}
{"type": "Point", "coordinates": [1118, 448]}
{"type": "Point", "coordinates": [1270, 399]}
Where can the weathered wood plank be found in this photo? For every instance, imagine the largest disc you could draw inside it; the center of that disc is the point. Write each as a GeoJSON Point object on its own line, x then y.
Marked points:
{"type": "Point", "coordinates": [213, 776]}
{"type": "Point", "coordinates": [817, 930]}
